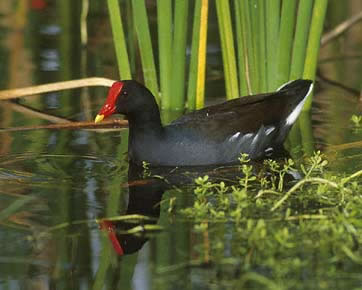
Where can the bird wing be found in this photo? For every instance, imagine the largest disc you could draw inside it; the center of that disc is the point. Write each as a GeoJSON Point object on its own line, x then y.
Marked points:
{"type": "Point", "coordinates": [218, 122]}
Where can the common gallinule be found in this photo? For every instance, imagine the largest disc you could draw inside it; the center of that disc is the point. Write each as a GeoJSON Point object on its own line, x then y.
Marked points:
{"type": "Point", "coordinates": [218, 134]}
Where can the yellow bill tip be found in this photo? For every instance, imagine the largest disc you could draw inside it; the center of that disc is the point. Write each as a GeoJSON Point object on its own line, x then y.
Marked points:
{"type": "Point", "coordinates": [98, 118]}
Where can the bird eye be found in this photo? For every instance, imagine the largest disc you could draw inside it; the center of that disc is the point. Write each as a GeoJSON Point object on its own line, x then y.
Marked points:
{"type": "Point", "coordinates": [124, 93]}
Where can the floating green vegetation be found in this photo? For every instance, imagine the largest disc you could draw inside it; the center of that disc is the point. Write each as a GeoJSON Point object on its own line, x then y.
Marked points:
{"type": "Point", "coordinates": [357, 120]}
{"type": "Point", "coordinates": [281, 232]}
{"type": "Point", "coordinates": [264, 191]}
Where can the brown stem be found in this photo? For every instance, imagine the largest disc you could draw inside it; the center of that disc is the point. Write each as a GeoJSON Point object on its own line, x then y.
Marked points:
{"type": "Point", "coordinates": [338, 84]}
{"type": "Point", "coordinates": [46, 88]}
{"type": "Point", "coordinates": [108, 124]}
{"type": "Point", "coordinates": [341, 28]}
{"type": "Point", "coordinates": [33, 112]}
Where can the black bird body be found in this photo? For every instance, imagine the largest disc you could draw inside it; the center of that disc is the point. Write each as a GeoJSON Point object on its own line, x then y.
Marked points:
{"type": "Point", "coordinates": [218, 134]}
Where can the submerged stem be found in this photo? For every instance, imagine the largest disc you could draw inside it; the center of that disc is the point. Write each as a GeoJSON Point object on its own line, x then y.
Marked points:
{"type": "Point", "coordinates": [301, 183]}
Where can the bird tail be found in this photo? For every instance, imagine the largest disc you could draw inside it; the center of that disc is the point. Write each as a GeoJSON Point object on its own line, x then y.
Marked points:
{"type": "Point", "coordinates": [299, 87]}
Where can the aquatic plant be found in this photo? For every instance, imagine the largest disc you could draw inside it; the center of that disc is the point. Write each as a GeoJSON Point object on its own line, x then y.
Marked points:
{"type": "Point", "coordinates": [356, 120]}
{"type": "Point", "coordinates": [258, 50]}
{"type": "Point", "coordinates": [214, 201]}
{"type": "Point", "coordinates": [259, 235]}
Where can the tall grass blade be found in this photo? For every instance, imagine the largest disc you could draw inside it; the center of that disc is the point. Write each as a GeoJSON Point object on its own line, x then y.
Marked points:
{"type": "Point", "coordinates": [301, 38]}
{"type": "Point", "coordinates": [298, 57]}
{"type": "Point", "coordinates": [272, 19]}
{"type": "Point", "coordinates": [261, 47]}
{"type": "Point", "coordinates": [242, 65]}
{"type": "Point", "coordinates": [305, 125]}
{"type": "Point", "coordinates": [253, 10]}
{"type": "Point", "coordinates": [294, 141]}
{"type": "Point", "coordinates": [285, 42]}
{"type": "Point", "coordinates": [119, 39]}
{"type": "Point", "coordinates": [179, 55]}
{"type": "Point", "coordinates": [227, 48]}
{"type": "Point", "coordinates": [131, 37]}
{"type": "Point", "coordinates": [15, 207]}
{"type": "Point", "coordinates": [145, 44]}
{"type": "Point", "coordinates": [164, 25]}
{"type": "Point", "coordinates": [113, 205]}
{"type": "Point", "coordinates": [201, 64]}
{"type": "Point", "coordinates": [250, 52]}
{"type": "Point", "coordinates": [315, 33]}
{"type": "Point", "coordinates": [192, 83]}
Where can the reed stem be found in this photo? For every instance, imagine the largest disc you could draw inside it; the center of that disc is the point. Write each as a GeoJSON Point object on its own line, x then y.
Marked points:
{"type": "Point", "coordinates": [193, 68]}
{"type": "Point", "coordinates": [315, 33]}
{"type": "Point", "coordinates": [272, 32]}
{"type": "Point", "coordinates": [179, 55]}
{"type": "Point", "coordinates": [201, 65]}
{"type": "Point", "coordinates": [250, 52]}
{"type": "Point", "coordinates": [227, 48]}
{"type": "Point", "coordinates": [119, 39]}
{"type": "Point", "coordinates": [164, 25]}
{"type": "Point", "coordinates": [301, 38]}
{"type": "Point", "coordinates": [145, 45]}
{"type": "Point", "coordinates": [285, 42]}
{"type": "Point", "coordinates": [261, 47]}
{"type": "Point", "coordinates": [244, 81]}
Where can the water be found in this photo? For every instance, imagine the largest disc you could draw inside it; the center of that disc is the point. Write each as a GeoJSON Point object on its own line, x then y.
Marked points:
{"type": "Point", "coordinates": [55, 184]}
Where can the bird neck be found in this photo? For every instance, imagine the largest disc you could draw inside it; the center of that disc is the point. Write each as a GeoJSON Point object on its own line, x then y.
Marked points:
{"type": "Point", "coordinates": [144, 128]}
{"type": "Point", "coordinates": [146, 120]}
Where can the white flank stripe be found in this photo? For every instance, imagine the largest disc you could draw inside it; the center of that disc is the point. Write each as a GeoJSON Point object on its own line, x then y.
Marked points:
{"type": "Point", "coordinates": [295, 113]}
{"type": "Point", "coordinates": [269, 130]}
{"type": "Point", "coordinates": [233, 137]}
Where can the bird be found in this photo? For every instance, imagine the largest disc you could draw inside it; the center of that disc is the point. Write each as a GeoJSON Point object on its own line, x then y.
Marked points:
{"type": "Point", "coordinates": [256, 125]}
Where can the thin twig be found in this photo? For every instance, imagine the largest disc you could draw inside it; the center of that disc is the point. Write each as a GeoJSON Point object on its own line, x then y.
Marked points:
{"type": "Point", "coordinates": [338, 84]}
{"type": "Point", "coordinates": [83, 22]}
{"type": "Point", "coordinates": [339, 147]}
{"type": "Point", "coordinates": [341, 28]}
{"type": "Point", "coordinates": [33, 112]}
{"type": "Point", "coordinates": [141, 229]}
{"type": "Point", "coordinates": [73, 126]}
{"type": "Point", "coordinates": [340, 57]}
{"type": "Point", "coordinates": [130, 217]}
{"type": "Point", "coordinates": [299, 184]}
{"type": "Point", "coordinates": [46, 88]}
{"type": "Point", "coordinates": [262, 192]}
{"type": "Point", "coordinates": [302, 217]}
{"type": "Point", "coordinates": [354, 175]}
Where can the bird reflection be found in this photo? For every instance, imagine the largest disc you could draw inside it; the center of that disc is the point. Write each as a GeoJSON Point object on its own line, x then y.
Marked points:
{"type": "Point", "coordinates": [144, 199]}
{"type": "Point", "coordinates": [145, 194]}
{"type": "Point", "coordinates": [146, 187]}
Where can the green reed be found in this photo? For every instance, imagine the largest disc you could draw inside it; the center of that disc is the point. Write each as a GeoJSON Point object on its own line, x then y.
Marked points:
{"type": "Point", "coordinates": [272, 22]}
{"type": "Point", "coordinates": [145, 45]}
{"type": "Point", "coordinates": [312, 53]}
{"type": "Point", "coordinates": [227, 48]}
{"type": "Point", "coordinates": [250, 50]}
{"type": "Point", "coordinates": [285, 42]}
{"type": "Point", "coordinates": [300, 39]}
{"type": "Point", "coordinates": [164, 26]}
{"type": "Point", "coordinates": [260, 7]}
{"type": "Point", "coordinates": [119, 39]}
{"type": "Point", "coordinates": [193, 69]}
{"type": "Point", "coordinates": [264, 44]}
{"type": "Point", "coordinates": [196, 88]}
{"type": "Point", "coordinates": [179, 55]}
{"type": "Point", "coordinates": [244, 79]}
{"type": "Point", "coordinates": [277, 41]}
